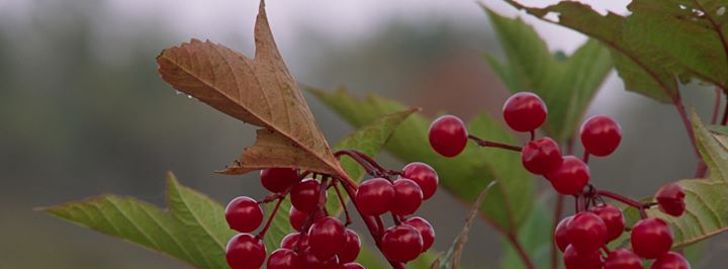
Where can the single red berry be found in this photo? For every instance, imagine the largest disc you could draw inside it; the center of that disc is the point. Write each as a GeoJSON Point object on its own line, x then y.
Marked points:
{"type": "Point", "coordinates": [278, 179]}
{"type": "Point", "coordinates": [375, 196]}
{"type": "Point", "coordinates": [612, 217]}
{"type": "Point", "coordinates": [622, 259]}
{"type": "Point", "coordinates": [297, 218]}
{"type": "Point", "coordinates": [284, 259]}
{"type": "Point", "coordinates": [671, 199]}
{"type": "Point", "coordinates": [326, 237]}
{"type": "Point", "coordinates": [407, 197]}
{"type": "Point", "coordinates": [305, 195]}
{"type": "Point", "coordinates": [448, 135]}
{"type": "Point", "coordinates": [586, 232]}
{"type": "Point", "coordinates": [524, 111]}
{"type": "Point", "coordinates": [570, 177]}
{"type": "Point", "coordinates": [401, 243]}
{"type": "Point", "coordinates": [541, 156]}
{"type": "Point", "coordinates": [295, 241]}
{"type": "Point", "coordinates": [351, 265]}
{"type": "Point", "coordinates": [245, 251]}
{"type": "Point", "coordinates": [311, 261]}
{"type": "Point", "coordinates": [351, 247]}
{"type": "Point", "coordinates": [575, 260]}
{"type": "Point", "coordinates": [651, 237]}
{"type": "Point", "coordinates": [424, 175]}
{"type": "Point", "coordinates": [243, 214]}
{"type": "Point", "coordinates": [560, 235]}
{"type": "Point", "coordinates": [426, 231]}
{"type": "Point", "coordinates": [600, 135]}
{"type": "Point", "coordinates": [671, 260]}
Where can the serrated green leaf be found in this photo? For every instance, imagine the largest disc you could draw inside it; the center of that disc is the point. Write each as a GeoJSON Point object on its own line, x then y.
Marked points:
{"type": "Point", "coordinates": [193, 229]}
{"type": "Point", "coordinates": [643, 69]}
{"type": "Point", "coordinates": [464, 175]}
{"type": "Point", "coordinates": [370, 140]}
{"type": "Point", "coordinates": [566, 84]}
{"type": "Point", "coordinates": [714, 153]}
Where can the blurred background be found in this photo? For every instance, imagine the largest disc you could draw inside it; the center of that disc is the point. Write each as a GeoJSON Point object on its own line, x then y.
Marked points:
{"type": "Point", "coordinates": [83, 111]}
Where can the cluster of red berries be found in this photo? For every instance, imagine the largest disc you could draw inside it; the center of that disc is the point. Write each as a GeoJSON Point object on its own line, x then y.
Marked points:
{"type": "Point", "coordinates": [322, 241]}
{"type": "Point", "coordinates": [582, 237]}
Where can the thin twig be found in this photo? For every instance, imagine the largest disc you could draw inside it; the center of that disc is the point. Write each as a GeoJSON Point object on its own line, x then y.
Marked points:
{"type": "Point", "coordinates": [491, 144]}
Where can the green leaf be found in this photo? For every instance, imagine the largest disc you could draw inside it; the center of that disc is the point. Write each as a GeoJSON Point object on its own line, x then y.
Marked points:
{"type": "Point", "coordinates": [566, 84]}
{"type": "Point", "coordinates": [369, 139]}
{"type": "Point", "coordinates": [463, 176]}
{"type": "Point", "coordinates": [643, 69]}
{"type": "Point", "coordinates": [712, 149]}
{"type": "Point", "coordinates": [536, 238]}
{"type": "Point", "coordinates": [193, 229]}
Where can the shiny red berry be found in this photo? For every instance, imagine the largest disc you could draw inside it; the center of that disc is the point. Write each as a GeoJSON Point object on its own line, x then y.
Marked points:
{"type": "Point", "coordinates": [622, 259]}
{"type": "Point", "coordinates": [326, 237]}
{"type": "Point", "coordinates": [311, 261]}
{"type": "Point", "coordinates": [305, 195]}
{"type": "Point", "coordinates": [448, 135]}
{"type": "Point", "coordinates": [570, 177]}
{"type": "Point", "coordinates": [576, 260]}
{"type": "Point", "coordinates": [560, 236]}
{"type": "Point", "coordinates": [278, 179]}
{"type": "Point", "coordinates": [297, 218]}
{"type": "Point", "coordinates": [424, 175]}
{"type": "Point", "coordinates": [407, 197]}
{"type": "Point", "coordinates": [295, 241]}
{"type": "Point", "coordinates": [671, 199]}
{"type": "Point", "coordinates": [243, 214]}
{"type": "Point", "coordinates": [586, 232]}
{"type": "Point", "coordinates": [426, 231]}
{"type": "Point", "coordinates": [401, 243]}
{"type": "Point", "coordinates": [671, 260]}
{"type": "Point", "coordinates": [651, 237]}
{"type": "Point", "coordinates": [524, 111]}
{"type": "Point", "coordinates": [600, 135]}
{"type": "Point", "coordinates": [612, 217]}
{"type": "Point", "coordinates": [375, 196]}
{"type": "Point", "coordinates": [351, 265]}
{"type": "Point", "coordinates": [351, 247]}
{"type": "Point", "coordinates": [245, 251]}
{"type": "Point", "coordinates": [284, 259]}
{"type": "Point", "coordinates": [541, 156]}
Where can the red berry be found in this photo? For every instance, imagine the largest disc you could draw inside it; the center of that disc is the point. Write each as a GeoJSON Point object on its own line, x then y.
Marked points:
{"type": "Point", "coordinates": [401, 243]}
{"type": "Point", "coordinates": [424, 175]}
{"type": "Point", "coordinates": [245, 251]}
{"type": "Point", "coordinates": [575, 260]}
{"type": "Point", "coordinates": [311, 261]}
{"type": "Point", "coordinates": [622, 259]}
{"type": "Point", "coordinates": [375, 196]}
{"type": "Point", "coordinates": [600, 135]}
{"type": "Point", "coordinates": [570, 177]}
{"type": "Point", "coordinates": [284, 259]}
{"type": "Point", "coordinates": [407, 197]}
{"type": "Point", "coordinates": [586, 232]}
{"type": "Point", "coordinates": [671, 199]}
{"type": "Point", "coordinates": [297, 218]}
{"type": "Point", "coordinates": [651, 237]}
{"type": "Point", "coordinates": [524, 111]}
{"type": "Point", "coordinates": [351, 265]}
{"type": "Point", "coordinates": [426, 231]}
{"type": "Point", "coordinates": [560, 235]}
{"type": "Point", "coordinates": [448, 135]}
{"type": "Point", "coordinates": [671, 260]}
{"type": "Point", "coordinates": [243, 214]}
{"type": "Point", "coordinates": [305, 195]}
{"type": "Point", "coordinates": [278, 179]}
{"type": "Point", "coordinates": [293, 241]}
{"type": "Point", "coordinates": [612, 217]}
{"type": "Point", "coordinates": [351, 247]}
{"type": "Point", "coordinates": [541, 156]}
{"type": "Point", "coordinates": [326, 237]}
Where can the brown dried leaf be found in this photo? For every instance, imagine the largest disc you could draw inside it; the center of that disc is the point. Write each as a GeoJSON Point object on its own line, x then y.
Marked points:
{"type": "Point", "coordinates": [258, 91]}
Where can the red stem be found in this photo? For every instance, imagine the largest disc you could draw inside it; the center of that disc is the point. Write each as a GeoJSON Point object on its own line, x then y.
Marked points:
{"type": "Point", "coordinates": [261, 234]}
{"type": "Point", "coordinates": [491, 144]}
{"type": "Point", "coordinates": [625, 200]}
{"type": "Point", "coordinates": [724, 121]}
{"type": "Point", "coordinates": [716, 107]}
{"type": "Point", "coordinates": [343, 203]}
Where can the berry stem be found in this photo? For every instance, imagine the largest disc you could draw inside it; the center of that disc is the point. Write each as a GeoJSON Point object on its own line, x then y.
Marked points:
{"type": "Point", "coordinates": [585, 159]}
{"type": "Point", "coordinates": [533, 135]}
{"type": "Point", "coordinates": [273, 213]}
{"type": "Point", "coordinates": [491, 144]}
{"type": "Point", "coordinates": [716, 107]}
{"type": "Point", "coordinates": [343, 203]}
{"type": "Point", "coordinates": [372, 167]}
{"type": "Point", "coordinates": [724, 121]}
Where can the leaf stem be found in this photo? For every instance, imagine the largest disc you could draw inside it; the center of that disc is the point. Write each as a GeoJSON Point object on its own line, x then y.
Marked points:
{"type": "Point", "coordinates": [491, 144]}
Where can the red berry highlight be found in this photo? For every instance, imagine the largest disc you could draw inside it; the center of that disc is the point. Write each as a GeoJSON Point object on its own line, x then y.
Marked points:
{"type": "Point", "coordinates": [586, 232]}
{"type": "Point", "coordinates": [622, 259]}
{"type": "Point", "coordinates": [651, 237]}
{"type": "Point", "coordinates": [284, 259]}
{"type": "Point", "coordinates": [305, 195]}
{"type": "Point", "coordinates": [671, 199]}
{"type": "Point", "coordinates": [671, 260]}
{"type": "Point", "coordinates": [570, 177]}
{"type": "Point", "coordinates": [351, 247]}
{"type": "Point", "coordinates": [326, 237]}
{"type": "Point", "coordinates": [426, 231]}
{"type": "Point", "coordinates": [541, 156]}
{"type": "Point", "coordinates": [401, 243]}
{"type": "Point", "coordinates": [575, 260]}
{"type": "Point", "coordinates": [245, 251]}
{"type": "Point", "coordinates": [243, 214]}
{"type": "Point", "coordinates": [560, 235]}
{"type": "Point", "coordinates": [612, 217]}
{"type": "Point", "coordinates": [278, 179]}
{"type": "Point", "coordinates": [424, 175]}
{"type": "Point", "coordinates": [351, 265]}
{"type": "Point", "coordinates": [375, 196]}
{"type": "Point", "coordinates": [600, 135]}
{"type": "Point", "coordinates": [448, 135]}
{"type": "Point", "coordinates": [524, 111]}
{"type": "Point", "coordinates": [407, 197]}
